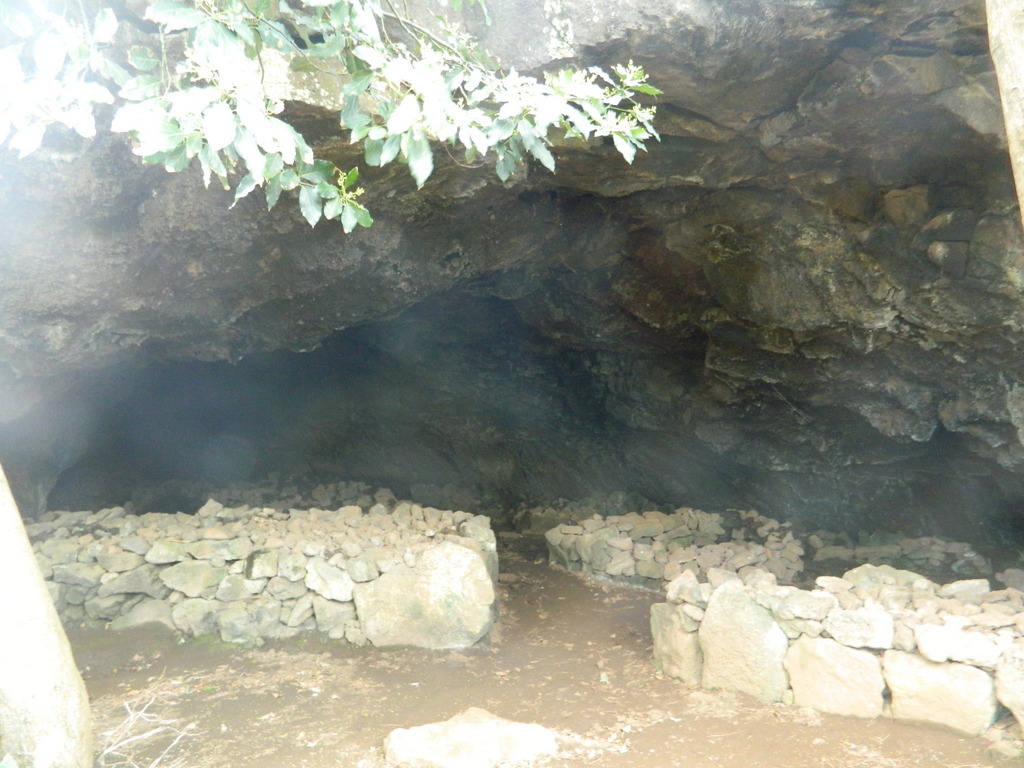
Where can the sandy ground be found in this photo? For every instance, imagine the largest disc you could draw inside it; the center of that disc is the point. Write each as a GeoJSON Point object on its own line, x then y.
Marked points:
{"type": "Point", "coordinates": [568, 654]}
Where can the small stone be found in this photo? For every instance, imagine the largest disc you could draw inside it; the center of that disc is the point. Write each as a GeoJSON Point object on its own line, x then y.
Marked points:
{"type": "Point", "coordinates": [362, 568]}
{"type": "Point", "coordinates": [328, 581]}
{"type": "Point", "coordinates": [209, 509]}
{"type": "Point", "coordinates": [142, 580]}
{"type": "Point", "coordinates": [806, 605]}
{"type": "Point", "coordinates": [301, 611]}
{"type": "Point", "coordinates": [1010, 680]}
{"type": "Point", "coordinates": [118, 562]}
{"type": "Point", "coordinates": [85, 575]}
{"type": "Point", "coordinates": [650, 569]}
{"type": "Point", "coordinates": [331, 615]}
{"type": "Point", "coordinates": [192, 578]}
{"type": "Point", "coordinates": [861, 627]}
{"type": "Point", "coordinates": [221, 549]}
{"type": "Point", "coordinates": [165, 551]}
{"type": "Point", "coordinates": [967, 591]}
{"type": "Point", "coordinates": [281, 588]}
{"type": "Point", "coordinates": [292, 566]}
{"type": "Point", "coordinates": [145, 612]}
{"type": "Point", "coordinates": [685, 588]}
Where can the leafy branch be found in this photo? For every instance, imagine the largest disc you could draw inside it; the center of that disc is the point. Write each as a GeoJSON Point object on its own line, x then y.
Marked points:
{"type": "Point", "coordinates": [402, 88]}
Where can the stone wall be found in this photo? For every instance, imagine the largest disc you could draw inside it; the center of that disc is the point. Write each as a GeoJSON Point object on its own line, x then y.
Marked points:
{"type": "Point", "coordinates": [387, 572]}
{"type": "Point", "coordinates": [878, 640]}
{"type": "Point", "coordinates": [652, 548]}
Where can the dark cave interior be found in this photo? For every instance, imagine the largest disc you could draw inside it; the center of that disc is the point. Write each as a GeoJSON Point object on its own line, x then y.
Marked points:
{"type": "Point", "coordinates": [462, 391]}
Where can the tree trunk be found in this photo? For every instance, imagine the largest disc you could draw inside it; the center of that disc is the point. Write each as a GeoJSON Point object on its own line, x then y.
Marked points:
{"type": "Point", "coordinates": [1006, 42]}
{"type": "Point", "coordinates": [44, 710]}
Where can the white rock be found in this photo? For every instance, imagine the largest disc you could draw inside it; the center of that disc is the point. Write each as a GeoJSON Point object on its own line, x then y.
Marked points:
{"type": "Point", "coordinates": [833, 678]}
{"type": "Point", "coordinates": [966, 591]}
{"type": "Point", "coordinates": [472, 739]}
{"type": "Point", "coordinates": [447, 601]}
{"type": "Point", "coordinates": [861, 627]}
{"type": "Point", "coordinates": [685, 588]}
{"type": "Point", "coordinates": [952, 641]}
{"type": "Point", "coordinates": [743, 647]}
{"type": "Point", "coordinates": [677, 650]}
{"type": "Point", "coordinates": [328, 581]}
{"type": "Point", "coordinates": [1010, 680]}
{"type": "Point", "coordinates": [957, 696]}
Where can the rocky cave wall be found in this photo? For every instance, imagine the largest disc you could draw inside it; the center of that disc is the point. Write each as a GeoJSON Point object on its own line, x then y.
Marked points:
{"type": "Point", "coordinates": [807, 298]}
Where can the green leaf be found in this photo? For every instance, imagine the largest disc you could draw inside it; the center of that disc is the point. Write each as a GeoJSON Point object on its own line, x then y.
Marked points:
{"type": "Point", "coordinates": [543, 154]}
{"type": "Point", "coordinates": [362, 215]}
{"type": "Point", "coordinates": [174, 16]}
{"type": "Point", "coordinates": [141, 87]}
{"type": "Point", "coordinates": [105, 26]}
{"type": "Point", "coordinates": [273, 191]}
{"type": "Point", "coordinates": [373, 149]}
{"type": "Point", "coordinates": [390, 150]}
{"type": "Point", "coordinates": [310, 205]}
{"type": "Point", "coordinates": [405, 116]}
{"type": "Point", "coordinates": [349, 220]}
{"type": "Point", "coordinates": [627, 150]}
{"type": "Point", "coordinates": [419, 157]}
{"type": "Point", "coordinates": [333, 207]}
{"type": "Point", "coordinates": [219, 125]}
{"type": "Point", "coordinates": [245, 186]}
{"type": "Point", "coordinates": [142, 58]}
{"type": "Point", "coordinates": [351, 178]}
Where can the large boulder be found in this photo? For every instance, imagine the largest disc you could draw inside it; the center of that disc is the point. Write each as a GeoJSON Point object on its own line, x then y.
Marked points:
{"type": "Point", "coordinates": [957, 696]}
{"type": "Point", "coordinates": [831, 677]}
{"type": "Point", "coordinates": [743, 646]}
{"type": "Point", "coordinates": [677, 649]}
{"type": "Point", "coordinates": [446, 601]}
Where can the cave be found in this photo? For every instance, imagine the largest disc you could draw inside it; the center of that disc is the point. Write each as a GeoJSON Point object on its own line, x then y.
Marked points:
{"type": "Point", "coordinates": [804, 299]}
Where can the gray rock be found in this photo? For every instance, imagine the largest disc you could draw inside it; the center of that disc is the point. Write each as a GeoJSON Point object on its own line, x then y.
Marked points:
{"type": "Point", "coordinates": [1010, 680]}
{"type": "Point", "coordinates": [143, 580]}
{"type": "Point", "coordinates": [85, 575]}
{"type": "Point", "coordinates": [221, 549]}
{"type": "Point", "coordinates": [677, 650]}
{"type": "Point", "coordinates": [957, 696]}
{"type": "Point", "coordinates": [136, 544]}
{"type": "Point", "coordinates": [447, 601]}
{"type": "Point", "coordinates": [833, 678]}
{"type": "Point", "coordinates": [60, 551]}
{"type": "Point", "coordinates": [967, 590]}
{"type": "Point", "coordinates": [197, 616]}
{"type": "Point", "coordinates": [263, 565]}
{"type": "Point", "coordinates": [362, 568]}
{"type": "Point", "coordinates": [283, 589]}
{"type": "Point", "coordinates": [328, 581]}
{"type": "Point", "coordinates": [301, 611]}
{"type": "Point", "coordinates": [685, 588]}
{"type": "Point", "coordinates": [192, 577]}
{"type": "Point", "coordinates": [743, 646]}
{"type": "Point", "coordinates": [166, 551]}
{"type": "Point", "coordinates": [145, 612]}
{"type": "Point", "coordinates": [292, 566]}
{"type": "Point", "coordinates": [861, 627]}
{"type": "Point", "coordinates": [806, 605]}
{"type": "Point", "coordinates": [104, 608]}
{"type": "Point", "coordinates": [248, 621]}
{"type": "Point", "coordinates": [331, 615]}
{"type": "Point", "coordinates": [471, 739]}
{"type": "Point", "coordinates": [118, 562]}
{"type": "Point", "coordinates": [868, 575]}
{"type": "Point", "coordinates": [236, 587]}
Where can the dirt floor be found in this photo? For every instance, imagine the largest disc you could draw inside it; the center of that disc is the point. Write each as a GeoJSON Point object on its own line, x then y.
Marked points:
{"type": "Point", "coordinates": [568, 654]}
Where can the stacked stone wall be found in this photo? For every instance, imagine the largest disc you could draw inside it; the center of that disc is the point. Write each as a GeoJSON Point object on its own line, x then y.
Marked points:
{"type": "Point", "coordinates": [878, 640]}
{"type": "Point", "coordinates": [389, 573]}
{"type": "Point", "coordinates": [652, 548]}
